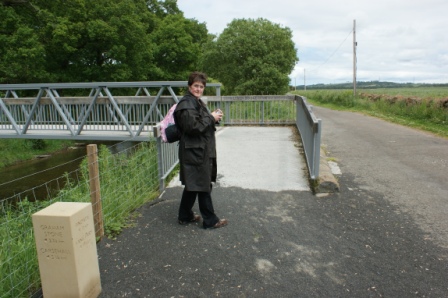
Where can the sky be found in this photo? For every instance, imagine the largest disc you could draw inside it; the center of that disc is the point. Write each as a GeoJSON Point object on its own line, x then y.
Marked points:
{"type": "Point", "coordinates": [397, 40]}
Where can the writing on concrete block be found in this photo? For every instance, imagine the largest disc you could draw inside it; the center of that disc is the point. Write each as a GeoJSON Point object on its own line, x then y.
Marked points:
{"type": "Point", "coordinates": [84, 232]}
{"type": "Point", "coordinates": [55, 253]}
{"type": "Point", "coordinates": [53, 233]}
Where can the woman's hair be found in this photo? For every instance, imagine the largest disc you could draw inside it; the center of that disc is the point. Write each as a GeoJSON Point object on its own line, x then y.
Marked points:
{"type": "Point", "coordinates": [197, 77]}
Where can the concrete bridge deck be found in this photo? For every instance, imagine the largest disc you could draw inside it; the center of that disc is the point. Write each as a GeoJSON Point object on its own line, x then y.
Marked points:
{"type": "Point", "coordinates": [264, 158]}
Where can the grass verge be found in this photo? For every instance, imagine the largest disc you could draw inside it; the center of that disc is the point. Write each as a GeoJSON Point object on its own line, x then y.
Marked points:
{"type": "Point", "coordinates": [428, 113]}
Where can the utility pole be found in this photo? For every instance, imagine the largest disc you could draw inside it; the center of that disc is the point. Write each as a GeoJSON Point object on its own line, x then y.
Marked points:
{"type": "Point", "coordinates": [304, 80]}
{"type": "Point", "coordinates": [354, 57]}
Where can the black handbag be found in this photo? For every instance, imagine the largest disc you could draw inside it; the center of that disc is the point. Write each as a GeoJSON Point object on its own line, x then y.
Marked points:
{"type": "Point", "coordinates": [172, 133]}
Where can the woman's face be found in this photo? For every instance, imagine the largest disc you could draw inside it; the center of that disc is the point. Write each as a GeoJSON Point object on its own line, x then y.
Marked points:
{"type": "Point", "coordinates": [197, 88]}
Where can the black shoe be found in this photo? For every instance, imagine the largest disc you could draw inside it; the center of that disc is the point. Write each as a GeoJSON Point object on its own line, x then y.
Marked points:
{"type": "Point", "coordinates": [195, 218]}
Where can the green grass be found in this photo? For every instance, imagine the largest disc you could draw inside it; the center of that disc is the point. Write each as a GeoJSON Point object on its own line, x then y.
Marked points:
{"type": "Point", "coordinates": [421, 108]}
{"type": "Point", "coordinates": [421, 92]}
{"type": "Point", "coordinates": [254, 112]}
{"type": "Point", "coordinates": [15, 150]}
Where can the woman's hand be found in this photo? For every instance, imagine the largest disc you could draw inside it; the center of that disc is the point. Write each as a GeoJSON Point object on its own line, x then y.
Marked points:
{"type": "Point", "coordinates": [217, 114]}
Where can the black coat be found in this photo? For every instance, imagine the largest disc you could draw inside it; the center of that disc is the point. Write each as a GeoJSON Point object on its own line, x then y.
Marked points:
{"type": "Point", "coordinates": [197, 145]}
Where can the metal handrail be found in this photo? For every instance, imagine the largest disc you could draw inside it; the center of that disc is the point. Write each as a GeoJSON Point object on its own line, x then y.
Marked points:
{"type": "Point", "coordinates": [310, 128]}
{"type": "Point", "coordinates": [98, 115]}
{"type": "Point", "coordinates": [93, 85]}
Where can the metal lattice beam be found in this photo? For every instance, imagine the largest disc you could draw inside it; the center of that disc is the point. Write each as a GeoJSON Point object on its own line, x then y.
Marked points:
{"type": "Point", "coordinates": [57, 111]}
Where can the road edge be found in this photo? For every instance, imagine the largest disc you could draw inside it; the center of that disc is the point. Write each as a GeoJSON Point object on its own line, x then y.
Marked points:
{"type": "Point", "coordinates": [326, 182]}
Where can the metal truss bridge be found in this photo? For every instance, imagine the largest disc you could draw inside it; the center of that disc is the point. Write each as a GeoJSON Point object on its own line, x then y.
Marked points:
{"type": "Point", "coordinates": [114, 111]}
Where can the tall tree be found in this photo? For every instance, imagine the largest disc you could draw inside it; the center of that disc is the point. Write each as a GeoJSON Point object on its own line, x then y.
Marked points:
{"type": "Point", "coordinates": [178, 43]}
{"type": "Point", "coordinates": [251, 57]}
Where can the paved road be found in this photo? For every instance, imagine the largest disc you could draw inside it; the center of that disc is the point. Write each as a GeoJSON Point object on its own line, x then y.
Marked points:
{"type": "Point", "coordinates": [372, 239]}
{"type": "Point", "coordinates": [406, 166]}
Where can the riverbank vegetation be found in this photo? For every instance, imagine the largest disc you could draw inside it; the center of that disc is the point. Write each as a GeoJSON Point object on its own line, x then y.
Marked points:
{"type": "Point", "coordinates": [16, 150]}
{"type": "Point", "coordinates": [128, 180]}
{"type": "Point", "coordinates": [425, 108]}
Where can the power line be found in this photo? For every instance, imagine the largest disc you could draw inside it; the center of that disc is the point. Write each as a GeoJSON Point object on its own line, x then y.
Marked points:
{"type": "Point", "coordinates": [332, 54]}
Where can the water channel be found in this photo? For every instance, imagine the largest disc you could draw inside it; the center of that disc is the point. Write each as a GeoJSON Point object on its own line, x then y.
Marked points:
{"type": "Point", "coordinates": [35, 178]}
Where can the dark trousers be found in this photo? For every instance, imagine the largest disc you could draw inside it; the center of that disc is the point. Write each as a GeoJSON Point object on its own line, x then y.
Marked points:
{"type": "Point", "coordinates": [205, 207]}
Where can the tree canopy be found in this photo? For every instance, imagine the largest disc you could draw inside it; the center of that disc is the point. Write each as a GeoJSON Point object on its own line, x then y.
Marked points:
{"type": "Point", "coordinates": [101, 40]}
{"type": "Point", "coordinates": [138, 40]}
{"type": "Point", "coordinates": [252, 57]}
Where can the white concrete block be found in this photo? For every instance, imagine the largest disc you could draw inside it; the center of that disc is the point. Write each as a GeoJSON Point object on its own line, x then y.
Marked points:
{"type": "Point", "coordinates": [66, 250]}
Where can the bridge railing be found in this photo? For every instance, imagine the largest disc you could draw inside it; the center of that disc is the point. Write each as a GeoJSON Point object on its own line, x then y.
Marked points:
{"type": "Point", "coordinates": [86, 111]}
{"type": "Point", "coordinates": [310, 128]}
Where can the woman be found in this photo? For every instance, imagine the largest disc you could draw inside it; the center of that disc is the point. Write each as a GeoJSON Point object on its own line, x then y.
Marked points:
{"type": "Point", "coordinates": [197, 154]}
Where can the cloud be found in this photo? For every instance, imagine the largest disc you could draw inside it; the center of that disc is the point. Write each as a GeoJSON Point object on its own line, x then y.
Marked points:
{"type": "Point", "coordinates": [396, 40]}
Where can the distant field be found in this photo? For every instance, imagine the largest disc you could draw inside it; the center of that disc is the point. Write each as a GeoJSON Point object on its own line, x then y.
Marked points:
{"type": "Point", "coordinates": [421, 92]}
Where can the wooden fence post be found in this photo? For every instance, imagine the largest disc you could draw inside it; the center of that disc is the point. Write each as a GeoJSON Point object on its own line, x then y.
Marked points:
{"type": "Point", "coordinates": [95, 192]}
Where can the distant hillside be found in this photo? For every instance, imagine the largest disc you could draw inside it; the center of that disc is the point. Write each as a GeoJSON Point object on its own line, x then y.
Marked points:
{"type": "Point", "coordinates": [368, 85]}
